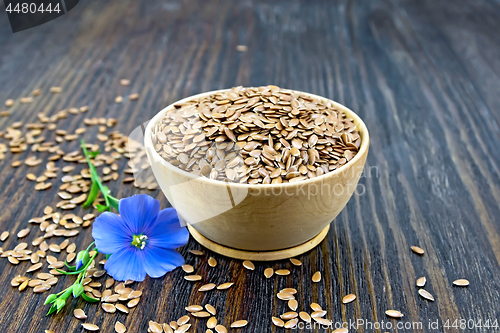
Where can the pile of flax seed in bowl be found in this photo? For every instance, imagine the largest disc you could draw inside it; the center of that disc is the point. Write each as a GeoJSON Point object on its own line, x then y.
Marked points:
{"type": "Point", "coordinates": [264, 135]}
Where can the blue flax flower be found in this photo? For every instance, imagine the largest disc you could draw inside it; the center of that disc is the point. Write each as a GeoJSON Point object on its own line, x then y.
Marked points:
{"type": "Point", "coordinates": [142, 239]}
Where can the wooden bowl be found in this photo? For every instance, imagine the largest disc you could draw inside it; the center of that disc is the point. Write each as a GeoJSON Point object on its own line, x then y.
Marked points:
{"type": "Point", "coordinates": [258, 222]}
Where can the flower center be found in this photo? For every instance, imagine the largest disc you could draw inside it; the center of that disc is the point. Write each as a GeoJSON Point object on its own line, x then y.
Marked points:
{"type": "Point", "coordinates": [139, 241]}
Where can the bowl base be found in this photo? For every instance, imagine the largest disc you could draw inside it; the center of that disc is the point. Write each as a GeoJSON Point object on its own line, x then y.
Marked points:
{"type": "Point", "coordinates": [255, 255]}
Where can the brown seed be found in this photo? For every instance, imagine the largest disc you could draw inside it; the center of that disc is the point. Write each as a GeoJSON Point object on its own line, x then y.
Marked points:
{"type": "Point", "coordinates": [241, 48]}
{"type": "Point", "coordinates": [278, 322]}
{"type": "Point", "coordinates": [133, 97]}
{"type": "Point", "coordinates": [79, 314]}
{"type": "Point", "coordinates": [207, 287]}
{"type": "Point", "coordinates": [124, 82]}
{"type": "Point", "coordinates": [23, 285]}
{"type": "Point", "coordinates": [194, 308]}
{"type": "Point", "coordinates": [4, 236]}
{"type": "Point", "coordinates": [220, 329]}
{"type": "Point", "coordinates": [425, 294]}
{"type": "Point", "coordinates": [421, 282]}
{"type": "Point", "coordinates": [292, 291]}
{"type": "Point", "coordinates": [120, 328]}
{"type": "Point", "coordinates": [293, 304]}
{"type": "Point", "coordinates": [239, 323]}
{"type": "Point", "coordinates": [417, 250]}
{"type": "Point", "coordinates": [23, 233]}
{"type": "Point", "coordinates": [225, 286]}
{"type": "Point", "coordinates": [212, 322]}
{"type": "Point", "coordinates": [210, 309]}
{"type": "Point", "coordinates": [154, 327]}
{"type": "Point", "coordinates": [188, 268]}
{"type": "Point", "coordinates": [318, 314]}
{"type": "Point", "coordinates": [212, 262]}
{"type": "Point", "coordinates": [118, 99]}
{"type": "Point", "coordinates": [55, 90]}
{"type": "Point", "coordinates": [461, 283]}
{"type": "Point", "coordinates": [268, 272]}
{"type": "Point", "coordinates": [282, 272]}
{"type": "Point", "coordinates": [41, 288]}
{"type": "Point", "coordinates": [121, 308]}
{"type": "Point", "coordinates": [13, 261]}
{"type": "Point", "coordinates": [197, 252]}
{"type": "Point", "coordinates": [296, 262]}
{"type": "Point", "coordinates": [34, 267]}
{"type": "Point", "coordinates": [183, 328]}
{"type": "Point", "coordinates": [167, 328]}
{"type": "Point", "coordinates": [201, 314]}
{"type": "Point", "coordinates": [291, 323]}
{"type": "Point", "coordinates": [305, 316]}
{"type": "Point", "coordinates": [54, 248]}
{"type": "Point", "coordinates": [316, 277]}
{"type": "Point", "coordinates": [289, 315]}
{"type": "Point", "coordinates": [316, 307]}
{"type": "Point", "coordinates": [348, 298]}
{"type": "Point", "coordinates": [193, 277]}
{"type": "Point", "coordinates": [394, 313]}
{"type": "Point", "coordinates": [285, 296]}
{"type": "Point", "coordinates": [341, 330]}
{"type": "Point", "coordinates": [133, 302]}
{"type": "Point", "coordinates": [110, 308]}
{"type": "Point", "coordinates": [249, 265]}
{"type": "Point", "coordinates": [182, 320]}
{"type": "Point", "coordinates": [9, 103]}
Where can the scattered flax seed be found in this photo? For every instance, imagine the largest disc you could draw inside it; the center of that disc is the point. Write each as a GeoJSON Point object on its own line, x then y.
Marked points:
{"type": "Point", "coordinates": [210, 309]}
{"type": "Point", "coordinates": [121, 308]}
{"type": "Point", "coordinates": [79, 314]}
{"type": "Point", "coordinates": [133, 97]}
{"type": "Point", "coordinates": [23, 285]}
{"type": "Point", "coordinates": [461, 283]}
{"type": "Point", "coordinates": [55, 90]}
{"type": "Point", "coordinates": [248, 265]}
{"type": "Point", "coordinates": [212, 322]}
{"type": "Point", "coordinates": [197, 252]}
{"type": "Point", "coordinates": [23, 233]}
{"type": "Point", "coordinates": [394, 314]}
{"type": "Point", "coordinates": [278, 322]}
{"type": "Point", "coordinates": [293, 304]}
{"type": "Point", "coordinates": [285, 296]}
{"type": "Point", "coordinates": [110, 308]}
{"type": "Point", "coordinates": [225, 286]}
{"type": "Point", "coordinates": [220, 329]}
{"type": "Point", "coordinates": [120, 328]}
{"type": "Point", "coordinates": [207, 287]}
{"type": "Point", "coordinates": [125, 82]}
{"type": "Point", "coordinates": [239, 323]}
{"type": "Point", "coordinates": [15, 164]}
{"type": "Point", "coordinates": [318, 314]}
{"type": "Point", "coordinates": [13, 261]}
{"type": "Point", "coordinates": [4, 236]}
{"type": "Point", "coordinates": [421, 282]}
{"type": "Point", "coordinates": [305, 316]}
{"type": "Point", "coordinates": [133, 302]}
{"type": "Point", "coordinates": [296, 262]}
{"type": "Point", "coordinates": [193, 308]}
{"type": "Point", "coordinates": [417, 250]}
{"type": "Point", "coordinates": [212, 262]}
{"type": "Point", "coordinates": [37, 92]}
{"type": "Point", "coordinates": [90, 327]}
{"type": "Point", "coordinates": [282, 272]}
{"type": "Point", "coordinates": [348, 298]}
{"type": "Point", "coordinates": [316, 307]}
{"type": "Point", "coordinates": [26, 100]}
{"type": "Point", "coordinates": [193, 277]}
{"type": "Point", "coordinates": [183, 328]}
{"type": "Point", "coordinates": [34, 267]}
{"type": "Point", "coordinates": [201, 314]}
{"type": "Point", "coordinates": [268, 272]}
{"type": "Point", "coordinates": [118, 99]}
{"type": "Point", "coordinates": [182, 320]}
{"type": "Point", "coordinates": [316, 277]}
{"type": "Point", "coordinates": [291, 323]}
{"type": "Point", "coordinates": [292, 291]}
{"type": "Point", "coordinates": [4, 113]}
{"type": "Point", "coordinates": [154, 327]}
{"type": "Point", "coordinates": [341, 330]}
{"type": "Point", "coordinates": [188, 268]}
{"type": "Point", "coordinates": [425, 294]}
{"type": "Point", "coordinates": [9, 103]}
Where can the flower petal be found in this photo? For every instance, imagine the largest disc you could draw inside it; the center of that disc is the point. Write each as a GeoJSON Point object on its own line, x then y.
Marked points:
{"type": "Point", "coordinates": [167, 231]}
{"type": "Point", "coordinates": [157, 261]}
{"type": "Point", "coordinates": [139, 211]}
{"type": "Point", "coordinates": [126, 264]}
{"type": "Point", "coordinates": [110, 233]}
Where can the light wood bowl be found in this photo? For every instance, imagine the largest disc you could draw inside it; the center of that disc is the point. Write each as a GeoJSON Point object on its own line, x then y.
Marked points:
{"type": "Point", "coordinates": [259, 222]}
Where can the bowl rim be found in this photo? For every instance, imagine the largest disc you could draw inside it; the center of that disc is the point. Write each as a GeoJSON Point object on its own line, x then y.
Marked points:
{"type": "Point", "coordinates": [149, 147]}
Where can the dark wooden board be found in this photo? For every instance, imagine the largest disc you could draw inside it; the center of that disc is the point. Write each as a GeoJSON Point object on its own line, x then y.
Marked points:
{"type": "Point", "coordinates": [424, 76]}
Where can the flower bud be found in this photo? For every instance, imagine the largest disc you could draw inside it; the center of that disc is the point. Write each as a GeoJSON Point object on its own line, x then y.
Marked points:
{"type": "Point", "coordinates": [77, 290]}
{"type": "Point", "coordinates": [60, 304]}
{"type": "Point", "coordinates": [50, 299]}
{"type": "Point", "coordinates": [81, 259]}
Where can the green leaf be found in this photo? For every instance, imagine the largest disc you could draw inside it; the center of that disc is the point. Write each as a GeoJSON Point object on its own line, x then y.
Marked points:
{"type": "Point", "coordinates": [107, 256]}
{"type": "Point", "coordinates": [89, 299]}
{"type": "Point", "coordinates": [113, 202]}
{"type": "Point", "coordinates": [71, 268]}
{"type": "Point", "coordinates": [102, 208]}
{"type": "Point", "coordinates": [93, 154]}
{"type": "Point", "coordinates": [60, 304]}
{"type": "Point", "coordinates": [94, 191]}
{"type": "Point", "coordinates": [69, 273]}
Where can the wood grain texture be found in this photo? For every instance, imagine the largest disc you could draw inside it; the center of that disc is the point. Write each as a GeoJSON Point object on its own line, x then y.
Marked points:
{"type": "Point", "coordinates": [424, 77]}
